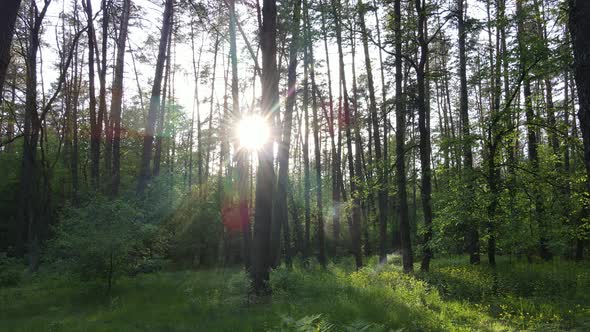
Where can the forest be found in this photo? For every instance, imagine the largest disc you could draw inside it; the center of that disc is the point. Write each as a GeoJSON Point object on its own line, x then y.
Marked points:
{"type": "Point", "coordinates": [294, 165]}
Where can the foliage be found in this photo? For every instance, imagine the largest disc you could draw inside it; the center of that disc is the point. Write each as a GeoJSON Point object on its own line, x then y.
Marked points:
{"type": "Point", "coordinates": [453, 297]}
{"type": "Point", "coordinates": [99, 240]}
{"type": "Point", "coordinates": [195, 230]}
{"type": "Point", "coordinates": [11, 271]}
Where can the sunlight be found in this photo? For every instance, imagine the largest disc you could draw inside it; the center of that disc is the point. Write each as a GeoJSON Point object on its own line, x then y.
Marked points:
{"type": "Point", "coordinates": [253, 131]}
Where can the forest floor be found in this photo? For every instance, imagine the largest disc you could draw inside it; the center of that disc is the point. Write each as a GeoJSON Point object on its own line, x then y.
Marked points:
{"type": "Point", "coordinates": [454, 296]}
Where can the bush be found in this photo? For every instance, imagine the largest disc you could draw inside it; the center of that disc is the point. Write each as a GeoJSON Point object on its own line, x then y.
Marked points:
{"type": "Point", "coordinates": [11, 272]}
{"type": "Point", "coordinates": [99, 240]}
{"type": "Point", "coordinates": [196, 232]}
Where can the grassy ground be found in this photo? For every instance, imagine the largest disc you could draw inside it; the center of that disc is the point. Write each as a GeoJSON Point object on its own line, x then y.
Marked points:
{"type": "Point", "coordinates": [453, 297]}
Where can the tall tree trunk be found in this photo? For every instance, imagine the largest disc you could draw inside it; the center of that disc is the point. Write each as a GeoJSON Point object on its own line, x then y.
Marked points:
{"type": "Point", "coordinates": [531, 120]}
{"type": "Point", "coordinates": [356, 213]}
{"type": "Point", "coordinates": [30, 196]}
{"type": "Point", "coordinates": [306, 175]}
{"type": "Point", "coordinates": [148, 139]}
{"type": "Point", "coordinates": [265, 177]}
{"type": "Point", "coordinates": [381, 163]}
{"type": "Point", "coordinates": [336, 163]}
{"type": "Point", "coordinates": [211, 105]}
{"type": "Point", "coordinates": [102, 101]}
{"type": "Point", "coordinates": [162, 119]}
{"type": "Point", "coordinates": [424, 128]}
{"type": "Point", "coordinates": [77, 82]}
{"type": "Point", "coordinates": [472, 233]}
{"type": "Point", "coordinates": [8, 13]}
{"type": "Point", "coordinates": [316, 141]}
{"type": "Point", "coordinates": [579, 25]}
{"type": "Point", "coordinates": [493, 175]}
{"type": "Point", "coordinates": [117, 99]}
{"type": "Point", "coordinates": [242, 156]}
{"type": "Point", "coordinates": [400, 142]}
{"type": "Point", "coordinates": [280, 215]}
{"type": "Point", "coordinates": [94, 124]}
{"type": "Point", "coordinates": [196, 102]}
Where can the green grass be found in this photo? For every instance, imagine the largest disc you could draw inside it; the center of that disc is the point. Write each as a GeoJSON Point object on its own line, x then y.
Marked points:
{"type": "Point", "coordinates": [452, 297]}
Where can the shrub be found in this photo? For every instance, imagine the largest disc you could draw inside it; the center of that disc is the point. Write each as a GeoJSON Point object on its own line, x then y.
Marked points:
{"type": "Point", "coordinates": [11, 272]}
{"type": "Point", "coordinates": [98, 241]}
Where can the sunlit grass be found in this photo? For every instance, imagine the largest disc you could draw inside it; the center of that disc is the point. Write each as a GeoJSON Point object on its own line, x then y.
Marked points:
{"type": "Point", "coordinates": [453, 297]}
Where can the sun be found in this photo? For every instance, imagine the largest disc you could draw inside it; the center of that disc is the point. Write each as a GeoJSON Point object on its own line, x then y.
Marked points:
{"type": "Point", "coordinates": [252, 132]}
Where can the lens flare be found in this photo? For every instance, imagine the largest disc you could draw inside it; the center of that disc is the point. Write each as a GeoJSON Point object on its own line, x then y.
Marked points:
{"type": "Point", "coordinates": [253, 131]}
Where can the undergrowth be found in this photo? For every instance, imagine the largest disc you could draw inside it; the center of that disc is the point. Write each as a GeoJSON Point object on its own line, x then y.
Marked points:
{"type": "Point", "coordinates": [454, 296]}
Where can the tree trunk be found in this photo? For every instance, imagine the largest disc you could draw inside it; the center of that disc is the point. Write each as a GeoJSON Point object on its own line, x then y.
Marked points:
{"type": "Point", "coordinates": [336, 162]}
{"type": "Point", "coordinates": [280, 214]}
{"type": "Point", "coordinates": [102, 102]}
{"type": "Point", "coordinates": [400, 142]}
{"type": "Point", "coordinates": [424, 128]}
{"type": "Point", "coordinates": [531, 121]}
{"type": "Point", "coordinates": [316, 142]}
{"type": "Point", "coordinates": [579, 25]}
{"type": "Point", "coordinates": [148, 139]}
{"type": "Point", "coordinates": [196, 102]}
{"type": "Point", "coordinates": [472, 234]}
{"type": "Point", "coordinates": [8, 13]}
{"type": "Point", "coordinates": [356, 217]}
{"type": "Point", "coordinates": [117, 99]}
{"type": "Point", "coordinates": [166, 92]}
{"type": "Point", "coordinates": [265, 178]}
{"type": "Point", "coordinates": [211, 104]}
{"type": "Point", "coordinates": [382, 195]}
{"type": "Point", "coordinates": [94, 125]}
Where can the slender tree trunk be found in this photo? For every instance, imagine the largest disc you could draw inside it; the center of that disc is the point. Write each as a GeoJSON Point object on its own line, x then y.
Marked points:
{"type": "Point", "coordinates": [162, 119]}
{"type": "Point", "coordinates": [356, 213]}
{"type": "Point", "coordinates": [316, 142]}
{"type": "Point", "coordinates": [336, 163]}
{"type": "Point", "coordinates": [94, 124]}
{"type": "Point", "coordinates": [196, 102]}
{"type": "Point", "coordinates": [531, 119]}
{"type": "Point", "coordinates": [117, 99]}
{"type": "Point", "coordinates": [382, 195]}
{"type": "Point", "coordinates": [102, 102]}
{"type": "Point", "coordinates": [306, 175]}
{"type": "Point", "coordinates": [32, 197]}
{"type": "Point", "coordinates": [242, 156]}
{"type": "Point", "coordinates": [148, 139]}
{"type": "Point", "coordinates": [212, 103]}
{"type": "Point", "coordinates": [400, 142]}
{"type": "Point", "coordinates": [280, 215]}
{"type": "Point", "coordinates": [472, 234]}
{"type": "Point", "coordinates": [75, 135]}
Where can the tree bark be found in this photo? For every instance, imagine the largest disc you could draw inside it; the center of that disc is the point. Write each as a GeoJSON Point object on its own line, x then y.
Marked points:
{"type": "Point", "coordinates": [8, 13]}
{"type": "Point", "coordinates": [579, 25]}
{"type": "Point", "coordinates": [161, 123]}
{"type": "Point", "coordinates": [280, 214]}
{"type": "Point", "coordinates": [356, 213]}
{"type": "Point", "coordinates": [425, 147]}
{"type": "Point", "coordinates": [265, 176]}
{"type": "Point", "coordinates": [148, 139]}
{"type": "Point", "coordinates": [117, 99]}
{"type": "Point", "coordinates": [382, 194]}
{"type": "Point", "coordinates": [400, 142]}
{"type": "Point", "coordinates": [472, 233]}
{"type": "Point", "coordinates": [94, 124]}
